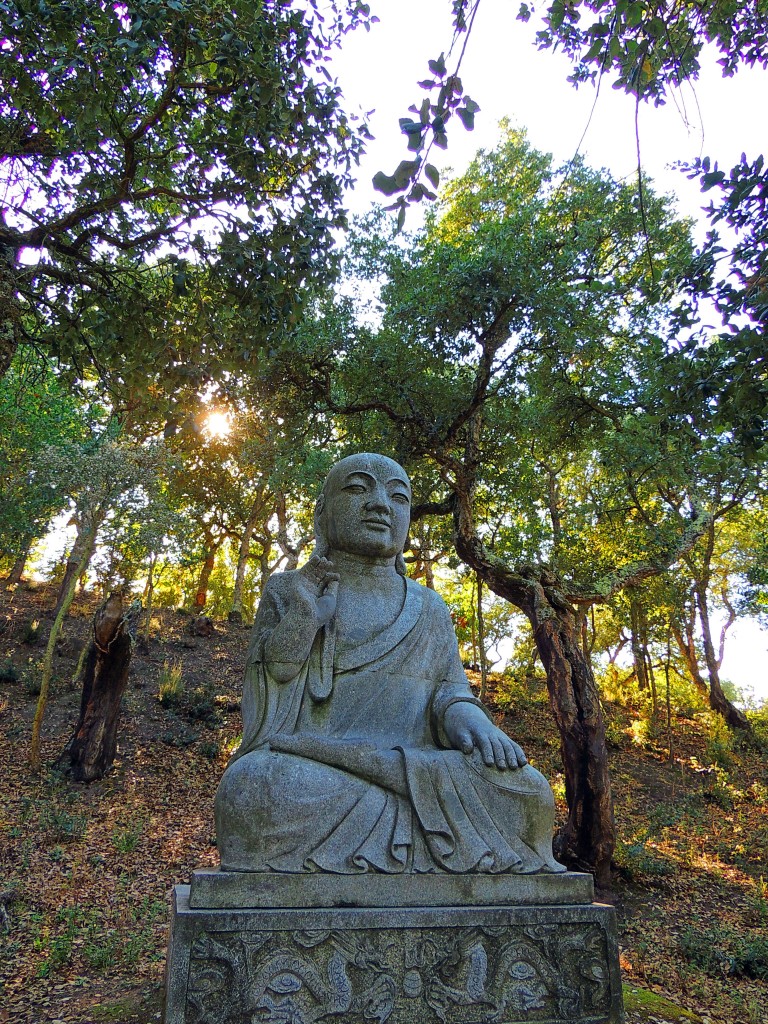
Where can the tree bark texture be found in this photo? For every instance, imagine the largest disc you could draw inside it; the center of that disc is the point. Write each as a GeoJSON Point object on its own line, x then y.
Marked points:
{"type": "Point", "coordinates": [687, 647]}
{"type": "Point", "coordinates": [236, 611]}
{"type": "Point", "coordinates": [17, 569]}
{"type": "Point", "coordinates": [587, 840]}
{"type": "Point", "coordinates": [481, 639]}
{"type": "Point", "coordinates": [92, 747]}
{"type": "Point", "coordinates": [62, 606]}
{"type": "Point", "coordinates": [717, 699]}
{"type": "Point", "coordinates": [638, 641]}
{"type": "Point", "coordinates": [201, 594]}
{"type": "Point", "coordinates": [78, 559]}
{"type": "Point", "coordinates": [9, 307]}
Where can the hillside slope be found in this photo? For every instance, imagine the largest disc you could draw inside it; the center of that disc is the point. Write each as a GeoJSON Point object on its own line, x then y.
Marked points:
{"type": "Point", "coordinates": [86, 871]}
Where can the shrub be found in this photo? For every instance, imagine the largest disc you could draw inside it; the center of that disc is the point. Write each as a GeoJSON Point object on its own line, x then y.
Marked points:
{"type": "Point", "coordinates": [31, 632]}
{"type": "Point", "coordinates": [62, 825]}
{"type": "Point", "coordinates": [8, 672]}
{"type": "Point", "coordinates": [719, 746]}
{"type": "Point", "coordinates": [125, 838]}
{"type": "Point", "coordinates": [719, 951]}
{"type": "Point", "coordinates": [635, 860]}
{"type": "Point", "coordinates": [200, 705]}
{"type": "Point", "coordinates": [170, 684]}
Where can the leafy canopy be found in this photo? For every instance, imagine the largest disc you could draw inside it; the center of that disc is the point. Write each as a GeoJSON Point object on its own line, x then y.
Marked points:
{"type": "Point", "coordinates": [137, 131]}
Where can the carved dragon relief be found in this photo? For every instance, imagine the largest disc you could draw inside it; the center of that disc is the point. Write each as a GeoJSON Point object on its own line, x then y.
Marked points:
{"type": "Point", "coordinates": [501, 975]}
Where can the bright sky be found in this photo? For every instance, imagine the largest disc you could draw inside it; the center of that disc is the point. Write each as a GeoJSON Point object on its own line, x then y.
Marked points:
{"type": "Point", "coordinates": [505, 73]}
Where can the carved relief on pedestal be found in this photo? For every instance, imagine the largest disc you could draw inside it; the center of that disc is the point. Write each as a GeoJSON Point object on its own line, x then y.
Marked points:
{"type": "Point", "coordinates": [541, 973]}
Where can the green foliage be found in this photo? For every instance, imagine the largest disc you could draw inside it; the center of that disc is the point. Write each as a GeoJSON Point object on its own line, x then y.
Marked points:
{"type": "Point", "coordinates": [728, 371]}
{"type": "Point", "coordinates": [199, 705]}
{"type": "Point", "coordinates": [719, 745]}
{"type": "Point", "coordinates": [723, 951]}
{"type": "Point", "coordinates": [8, 672]}
{"type": "Point", "coordinates": [210, 751]}
{"type": "Point", "coordinates": [40, 413]}
{"type": "Point", "coordinates": [113, 121]}
{"type": "Point", "coordinates": [126, 836]}
{"type": "Point", "coordinates": [758, 720]}
{"type": "Point", "coordinates": [101, 947]}
{"type": "Point", "coordinates": [636, 861]}
{"type": "Point", "coordinates": [649, 49]}
{"type": "Point", "coordinates": [62, 824]}
{"type": "Point", "coordinates": [170, 684]}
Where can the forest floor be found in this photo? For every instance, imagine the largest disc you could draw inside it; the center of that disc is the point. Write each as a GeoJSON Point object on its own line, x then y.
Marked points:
{"type": "Point", "coordinates": [86, 871]}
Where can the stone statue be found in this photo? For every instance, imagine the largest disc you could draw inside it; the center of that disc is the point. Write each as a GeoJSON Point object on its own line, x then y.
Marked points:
{"type": "Point", "coordinates": [363, 747]}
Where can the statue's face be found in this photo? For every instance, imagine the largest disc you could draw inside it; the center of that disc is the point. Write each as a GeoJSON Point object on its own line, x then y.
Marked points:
{"type": "Point", "coordinates": [367, 506]}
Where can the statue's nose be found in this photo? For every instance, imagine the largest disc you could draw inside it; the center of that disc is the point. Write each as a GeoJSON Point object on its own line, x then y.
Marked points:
{"type": "Point", "coordinates": [378, 501]}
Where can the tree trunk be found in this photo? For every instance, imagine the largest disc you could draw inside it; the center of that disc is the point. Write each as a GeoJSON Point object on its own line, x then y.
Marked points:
{"type": "Point", "coordinates": [63, 605]}
{"type": "Point", "coordinates": [91, 750]}
{"type": "Point", "coordinates": [201, 594]}
{"type": "Point", "coordinates": [17, 569]}
{"type": "Point", "coordinates": [149, 594]}
{"type": "Point", "coordinates": [77, 561]}
{"type": "Point", "coordinates": [236, 611]}
{"type": "Point", "coordinates": [637, 632]}
{"type": "Point", "coordinates": [587, 840]}
{"type": "Point", "coordinates": [687, 649]}
{"type": "Point", "coordinates": [717, 699]}
{"type": "Point", "coordinates": [481, 639]}
{"type": "Point", "coordinates": [9, 306]}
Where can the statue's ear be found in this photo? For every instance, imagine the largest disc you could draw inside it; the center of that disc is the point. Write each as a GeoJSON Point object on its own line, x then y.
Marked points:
{"type": "Point", "coordinates": [400, 563]}
{"type": "Point", "coordinates": [321, 540]}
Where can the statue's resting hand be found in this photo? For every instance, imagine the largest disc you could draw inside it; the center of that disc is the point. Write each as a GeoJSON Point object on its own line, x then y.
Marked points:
{"type": "Point", "coordinates": [467, 728]}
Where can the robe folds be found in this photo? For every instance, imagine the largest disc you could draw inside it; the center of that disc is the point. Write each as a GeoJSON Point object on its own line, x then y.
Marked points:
{"type": "Point", "coordinates": [277, 811]}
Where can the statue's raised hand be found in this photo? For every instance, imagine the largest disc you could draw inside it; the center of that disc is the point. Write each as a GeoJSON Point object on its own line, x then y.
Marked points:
{"type": "Point", "coordinates": [316, 587]}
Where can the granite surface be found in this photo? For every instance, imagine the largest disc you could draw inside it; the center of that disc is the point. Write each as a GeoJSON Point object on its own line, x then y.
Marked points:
{"type": "Point", "coordinates": [364, 748]}
{"type": "Point", "coordinates": [437, 965]}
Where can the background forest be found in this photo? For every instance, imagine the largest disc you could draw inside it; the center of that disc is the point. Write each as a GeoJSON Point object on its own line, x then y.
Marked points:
{"type": "Point", "coordinates": [192, 330]}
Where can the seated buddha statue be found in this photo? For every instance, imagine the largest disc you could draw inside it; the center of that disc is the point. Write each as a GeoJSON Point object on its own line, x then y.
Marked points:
{"type": "Point", "coordinates": [364, 748]}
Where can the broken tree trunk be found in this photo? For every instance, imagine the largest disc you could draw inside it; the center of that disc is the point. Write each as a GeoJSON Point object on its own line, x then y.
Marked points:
{"type": "Point", "coordinates": [91, 750]}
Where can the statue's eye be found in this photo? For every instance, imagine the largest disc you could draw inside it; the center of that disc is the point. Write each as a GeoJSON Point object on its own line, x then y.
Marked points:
{"type": "Point", "coordinates": [402, 499]}
{"type": "Point", "coordinates": [356, 488]}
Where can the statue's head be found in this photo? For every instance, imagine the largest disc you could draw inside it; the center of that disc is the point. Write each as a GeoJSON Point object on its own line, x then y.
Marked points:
{"type": "Point", "coordinates": [364, 509]}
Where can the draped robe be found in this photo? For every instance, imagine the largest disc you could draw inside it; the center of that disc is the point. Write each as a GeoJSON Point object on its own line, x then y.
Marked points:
{"type": "Point", "coordinates": [276, 811]}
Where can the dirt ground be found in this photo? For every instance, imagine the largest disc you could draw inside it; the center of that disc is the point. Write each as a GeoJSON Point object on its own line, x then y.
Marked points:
{"type": "Point", "coordinates": [87, 870]}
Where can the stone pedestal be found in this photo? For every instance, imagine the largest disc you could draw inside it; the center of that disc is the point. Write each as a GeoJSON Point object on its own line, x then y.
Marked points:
{"type": "Point", "coordinates": [408, 949]}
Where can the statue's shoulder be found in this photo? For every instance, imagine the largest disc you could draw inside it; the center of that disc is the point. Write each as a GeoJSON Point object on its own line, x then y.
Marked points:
{"type": "Point", "coordinates": [280, 582]}
{"type": "Point", "coordinates": [276, 591]}
{"type": "Point", "coordinates": [430, 599]}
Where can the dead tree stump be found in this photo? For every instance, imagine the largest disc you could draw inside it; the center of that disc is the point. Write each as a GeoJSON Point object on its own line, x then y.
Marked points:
{"type": "Point", "coordinates": [91, 749]}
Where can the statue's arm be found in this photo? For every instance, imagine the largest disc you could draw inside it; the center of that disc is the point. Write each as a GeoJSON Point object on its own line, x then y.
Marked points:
{"type": "Point", "coordinates": [459, 720]}
{"type": "Point", "coordinates": [309, 602]}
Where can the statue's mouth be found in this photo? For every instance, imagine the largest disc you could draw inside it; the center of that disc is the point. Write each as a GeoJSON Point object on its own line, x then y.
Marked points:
{"type": "Point", "coordinates": [377, 522]}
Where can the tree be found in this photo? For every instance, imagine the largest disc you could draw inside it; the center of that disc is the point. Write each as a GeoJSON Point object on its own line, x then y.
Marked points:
{"type": "Point", "coordinates": [651, 48]}
{"type": "Point", "coordinates": [91, 749]}
{"type": "Point", "coordinates": [39, 414]}
{"type": "Point", "coordinates": [99, 473]}
{"type": "Point", "coordinates": [726, 371]}
{"type": "Point", "coordinates": [514, 330]}
{"type": "Point", "coordinates": [157, 134]}
{"type": "Point", "coordinates": [648, 50]}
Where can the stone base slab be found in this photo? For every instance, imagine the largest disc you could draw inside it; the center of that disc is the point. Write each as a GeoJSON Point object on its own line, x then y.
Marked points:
{"type": "Point", "coordinates": [218, 890]}
{"type": "Point", "coordinates": [402, 965]}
